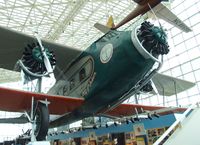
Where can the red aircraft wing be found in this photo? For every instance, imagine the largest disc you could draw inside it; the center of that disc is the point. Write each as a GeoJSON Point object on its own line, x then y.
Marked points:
{"type": "Point", "coordinates": [130, 109]}
{"type": "Point", "coordinates": [20, 101]}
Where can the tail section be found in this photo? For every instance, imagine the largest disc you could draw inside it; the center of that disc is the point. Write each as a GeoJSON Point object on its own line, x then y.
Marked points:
{"type": "Point", "coordinates": [105, 29]}
{"type": "Point", "coordinates": [110, 22]}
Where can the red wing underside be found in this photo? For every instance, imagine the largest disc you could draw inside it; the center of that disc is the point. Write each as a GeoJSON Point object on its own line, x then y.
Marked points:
{"type": "Point", "coordinates": [130, 109]}
{"type": "Point", "coordinates": [19, 101]}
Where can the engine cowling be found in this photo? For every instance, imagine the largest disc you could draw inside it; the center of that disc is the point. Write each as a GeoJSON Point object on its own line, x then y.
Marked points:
{"type": "Point", "coordinates": [150, 41]}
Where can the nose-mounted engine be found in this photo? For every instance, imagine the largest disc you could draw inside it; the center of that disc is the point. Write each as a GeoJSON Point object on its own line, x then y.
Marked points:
{"type": "Point", "coordinates": [150, 41]}
{"type": "Point", "coordinates": [153, 39]}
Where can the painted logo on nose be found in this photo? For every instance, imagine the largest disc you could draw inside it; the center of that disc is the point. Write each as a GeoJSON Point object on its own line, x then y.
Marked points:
{"type": "Point", "coordinates": [106, 53]}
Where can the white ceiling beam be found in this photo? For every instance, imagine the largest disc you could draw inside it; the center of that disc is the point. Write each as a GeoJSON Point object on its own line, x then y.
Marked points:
{"type": "Point", "coordinates": [61, 25]}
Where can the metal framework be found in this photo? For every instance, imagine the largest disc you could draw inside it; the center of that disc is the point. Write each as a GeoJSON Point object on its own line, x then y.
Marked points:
{"type": "Point", "coordinates": [67, 22]}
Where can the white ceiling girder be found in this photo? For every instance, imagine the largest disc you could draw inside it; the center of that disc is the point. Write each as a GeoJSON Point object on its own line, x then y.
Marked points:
{"type": "Point", "coordinates": [61, 25]}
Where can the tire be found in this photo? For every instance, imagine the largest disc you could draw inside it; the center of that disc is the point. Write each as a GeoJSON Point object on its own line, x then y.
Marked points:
{"type": "Point", "coordinates": [42, 122]}
{"type": "Point", "coordinates": [137, 1]}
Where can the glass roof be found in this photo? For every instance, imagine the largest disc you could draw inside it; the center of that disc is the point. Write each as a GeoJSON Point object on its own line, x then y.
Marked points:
{"type": "Point", "coordinates": [66, 22]}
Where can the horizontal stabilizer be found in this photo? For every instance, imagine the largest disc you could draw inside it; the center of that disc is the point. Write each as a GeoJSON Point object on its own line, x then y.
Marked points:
{"type": "Point", "coordinates": [102, 28]}
{"type": "Point", "coordinates": [168, 86]}
{"type": "Point", "coordinates": [164, 13]}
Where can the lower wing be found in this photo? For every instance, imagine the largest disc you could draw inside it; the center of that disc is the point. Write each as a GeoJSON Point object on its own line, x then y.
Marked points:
{"type": "Point", "coordinates": [124, 110]}
{"type": "Point", "coordinates": [20, 101]}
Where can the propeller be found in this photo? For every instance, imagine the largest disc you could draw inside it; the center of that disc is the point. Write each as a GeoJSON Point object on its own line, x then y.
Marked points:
{"type": "Point", "coordinates": [37, 60]}
{"type": "Point", "coordinates": [153, 39]}
{"type": "Point", "coordinates": [47, 63]}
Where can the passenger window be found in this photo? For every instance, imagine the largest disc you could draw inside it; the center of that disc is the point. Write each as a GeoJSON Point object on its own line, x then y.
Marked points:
{"type": "Point", "coordinates": [82, 74]}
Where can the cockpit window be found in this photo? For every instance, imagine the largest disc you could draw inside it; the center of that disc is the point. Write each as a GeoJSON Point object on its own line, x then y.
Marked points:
{"type": "Point", "coordinates": [82, 74]}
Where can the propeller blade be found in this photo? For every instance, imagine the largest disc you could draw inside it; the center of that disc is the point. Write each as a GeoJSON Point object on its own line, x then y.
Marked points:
{"type": "Point", "coordinates": [45, 57]}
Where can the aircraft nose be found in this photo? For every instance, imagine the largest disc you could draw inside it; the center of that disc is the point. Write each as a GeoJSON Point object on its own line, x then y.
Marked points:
{"type": "Point", "coordinates": [150, 41]}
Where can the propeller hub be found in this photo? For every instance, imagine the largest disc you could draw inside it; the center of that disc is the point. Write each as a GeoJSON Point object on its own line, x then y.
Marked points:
{"type": "Point", "coordinates": [159, 34]}
{"type": "Point", "coordinates": [37, 54]}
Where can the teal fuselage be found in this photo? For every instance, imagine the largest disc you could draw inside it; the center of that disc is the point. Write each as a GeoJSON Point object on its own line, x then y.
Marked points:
{"type": "Point", "coordinates": [123, 69]}
{"type": "Point", "coordinates": [122, 72]}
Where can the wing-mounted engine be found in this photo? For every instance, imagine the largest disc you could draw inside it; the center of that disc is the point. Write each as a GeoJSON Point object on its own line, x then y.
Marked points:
{"type": "Point", "coordinates": [36, 62]}
{"type": "Point", "coordinates": [32, 61]}
{"type": "Point", "coordinates": [147, 88]}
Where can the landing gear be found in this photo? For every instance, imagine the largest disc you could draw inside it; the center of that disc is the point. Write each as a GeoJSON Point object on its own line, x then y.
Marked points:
{"type": "Point", "coordinates": [41, 121]}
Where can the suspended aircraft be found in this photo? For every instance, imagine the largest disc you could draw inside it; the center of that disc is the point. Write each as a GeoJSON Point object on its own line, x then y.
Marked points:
{"type": "Point", "coordinates": [93, 82]}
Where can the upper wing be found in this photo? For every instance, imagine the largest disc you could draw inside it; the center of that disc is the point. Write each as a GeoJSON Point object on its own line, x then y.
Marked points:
{"type": "Point", "coordinates": [19, 101]}
{"type": "Point", "coordinates": [164, 13]}
{"type": "Point", "coordinates": [167, 85]}
{"type": "Point", "coordinates": [12, 47]}
{"type": "Point", "coordinates": [9, 76]}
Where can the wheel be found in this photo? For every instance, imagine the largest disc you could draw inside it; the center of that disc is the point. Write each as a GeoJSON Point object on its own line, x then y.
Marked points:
{"type": "Point", "coordinates": [42, 122]}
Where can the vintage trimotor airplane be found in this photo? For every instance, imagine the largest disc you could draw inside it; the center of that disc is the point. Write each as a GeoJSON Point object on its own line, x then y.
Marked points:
{"type": "Point", "coordinates": [90, 83]}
